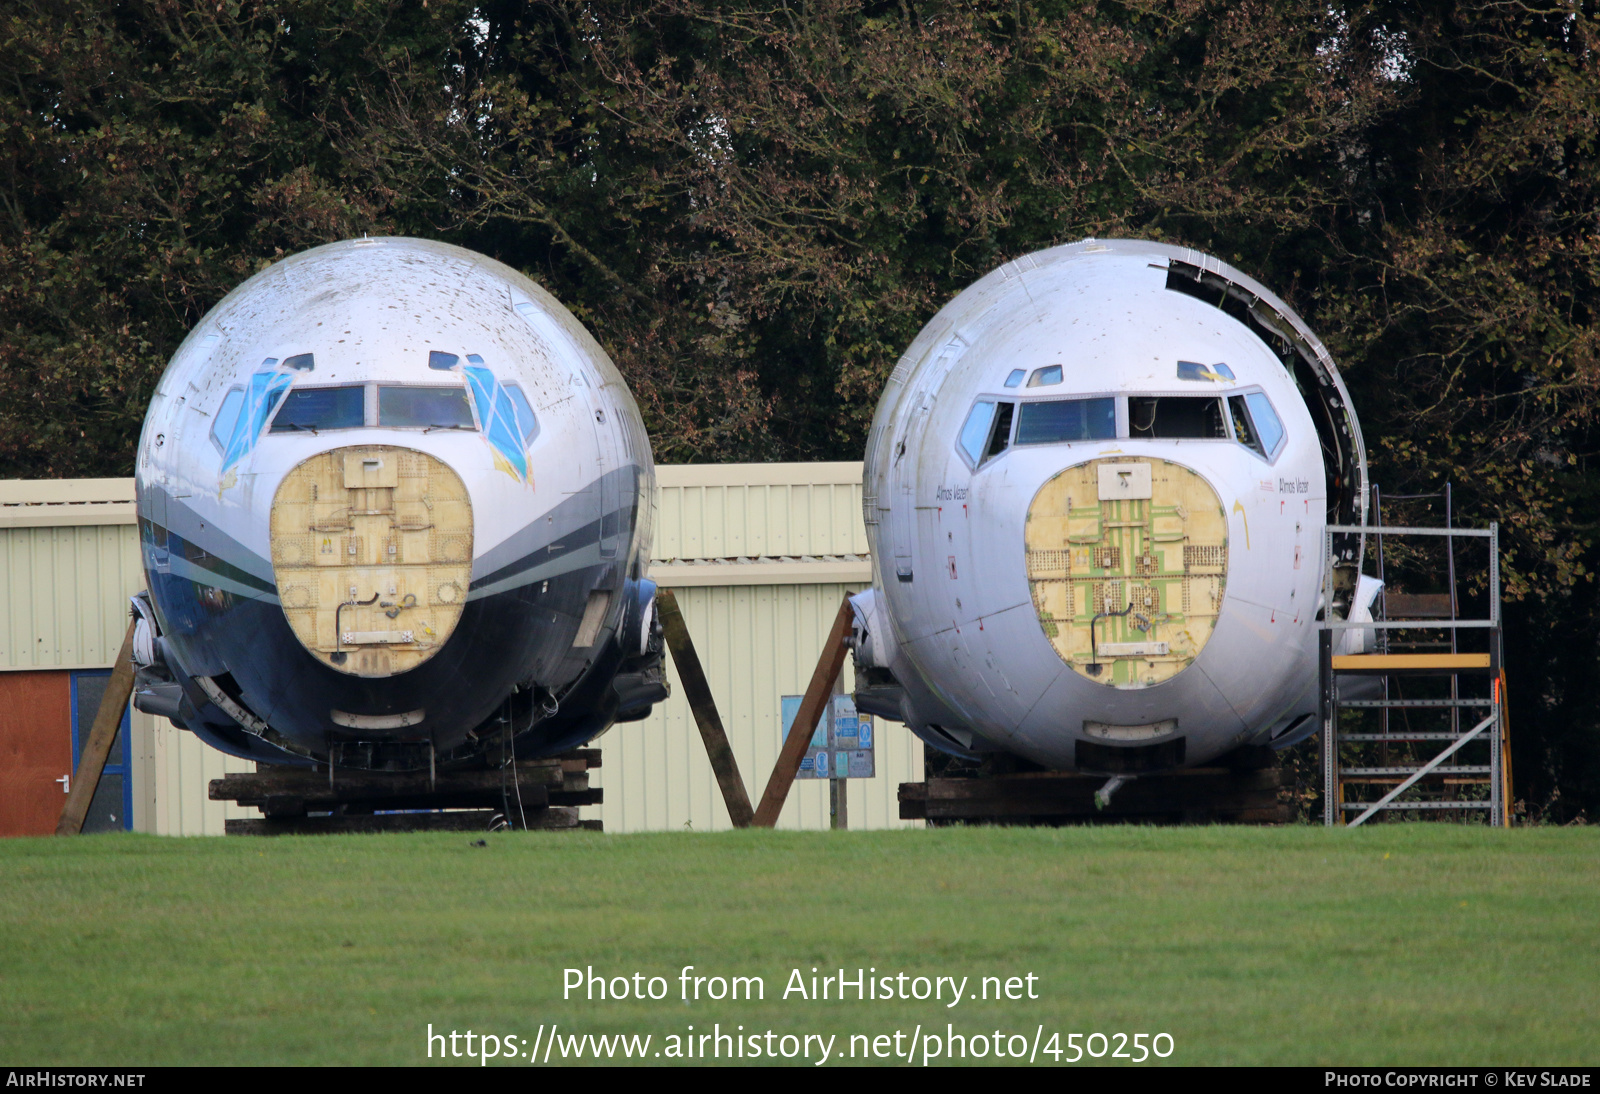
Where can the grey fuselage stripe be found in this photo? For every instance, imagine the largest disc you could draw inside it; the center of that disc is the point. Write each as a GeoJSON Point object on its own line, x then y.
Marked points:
{"type": "Point", "coordinates": [184, 522]}
{"type": "Point", "coordinates": [574, 524]}
{"type": "Point", "coordinates": [564, 539]}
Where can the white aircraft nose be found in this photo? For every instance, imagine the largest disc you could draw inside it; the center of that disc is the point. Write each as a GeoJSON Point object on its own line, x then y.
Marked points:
{"type": "Point", "coordinates": [1127, 560]}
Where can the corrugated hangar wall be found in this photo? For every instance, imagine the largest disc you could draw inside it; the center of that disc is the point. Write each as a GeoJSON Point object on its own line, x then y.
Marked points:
{"type": "Point", "coordinates": [759, 555]}
{"type": "Point", "coordinates": [69, 561]}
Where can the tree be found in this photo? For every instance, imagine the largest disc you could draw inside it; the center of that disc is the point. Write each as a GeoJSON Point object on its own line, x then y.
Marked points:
{"type": "Point", "coordinates": [756, 207]}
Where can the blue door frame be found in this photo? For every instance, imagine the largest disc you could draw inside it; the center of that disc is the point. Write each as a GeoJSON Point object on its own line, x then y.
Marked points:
{"type": "Point", "coordinates": [105, 811]}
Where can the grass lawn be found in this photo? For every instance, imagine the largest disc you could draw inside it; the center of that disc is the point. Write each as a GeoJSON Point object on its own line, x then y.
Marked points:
{"type": "Point", "coordinates": [1394, 944]}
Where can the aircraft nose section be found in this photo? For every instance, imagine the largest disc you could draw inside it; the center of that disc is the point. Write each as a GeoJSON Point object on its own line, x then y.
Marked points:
{"type": "Point", "coordinates": [372, 554]}
{"type": "Point", "coordinates": [1127, 562]}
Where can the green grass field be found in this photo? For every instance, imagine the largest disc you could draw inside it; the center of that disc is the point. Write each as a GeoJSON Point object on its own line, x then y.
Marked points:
{"type": "Point", "coordinates": [1398, 944]}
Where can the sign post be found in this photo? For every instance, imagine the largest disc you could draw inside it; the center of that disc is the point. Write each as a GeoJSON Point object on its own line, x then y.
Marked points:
{"type": "Point", "coordinates": [842, 747]}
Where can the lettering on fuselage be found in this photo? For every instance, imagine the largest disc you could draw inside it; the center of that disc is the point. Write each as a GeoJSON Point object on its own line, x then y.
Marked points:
{"type": "Point", "coordinates": [952, 493]}
{"type": "Point", "coordinates": [1294, 486]}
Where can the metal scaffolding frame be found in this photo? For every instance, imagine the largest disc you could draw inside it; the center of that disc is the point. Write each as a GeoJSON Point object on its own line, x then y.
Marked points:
{"type": "Point", "coordinates": [1489, 721]}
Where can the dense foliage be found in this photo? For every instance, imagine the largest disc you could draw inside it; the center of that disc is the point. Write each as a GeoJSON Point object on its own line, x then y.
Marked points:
{"type": "Point", "coordinates": [756, 206]}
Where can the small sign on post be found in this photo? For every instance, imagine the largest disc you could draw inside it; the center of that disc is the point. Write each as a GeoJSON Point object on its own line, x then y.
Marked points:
{"type": "Point", "coordinates": [841, 748]}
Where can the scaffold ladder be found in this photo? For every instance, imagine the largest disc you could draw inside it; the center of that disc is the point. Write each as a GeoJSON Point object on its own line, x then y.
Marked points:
{"type": "Point", "coordinates": [1469, 768]}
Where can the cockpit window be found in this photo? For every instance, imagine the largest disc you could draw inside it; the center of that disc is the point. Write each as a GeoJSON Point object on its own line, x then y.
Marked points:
{"type": "Point", "coordinates": [443, 362]}
{"type": "Point", "coordinates": [1178, 417]}
{"type": "Point", "coordinates": [1194, 370]}
{"type": "Point", "coordinates": [409, 407]}
{"type": "Point", "coordinates": [1266, 419]}
{"type": "Point", "coordinates": [975, 434]}
{"type": "Point", "coordinates": [527, 423]}
{"type": "Point", "coordinates": [1057, 420]}
{"type": "Point", "coordinates": [227, 418]}
{"type": "Point", "coordinates": [1016, 377]}
{"type": "Point", "coordinates": [263, 393]}
{"type": "Point", "coordinates": [1001, 437]}
{"type": "Point", "coordinates": [1043, 377]}
{"type": "Point", "coordinates": [987, 431]}
{"type": "Point", "coordinates": [1243, 431]}
{"type": "Point", "coordinates": [1258, 426]}
{"type": "Point", "coordinates": [317, 408]}
{"type": "Point", "coordinates": [301, 362]}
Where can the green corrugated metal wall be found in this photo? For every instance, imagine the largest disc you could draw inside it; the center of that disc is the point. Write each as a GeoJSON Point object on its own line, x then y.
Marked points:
{"type": "Point", "coordinates": [65, 597]}
{"type": "Point", "coordinates": [758, 644]}
{"type": "Point", "coordinates": [751, 510]}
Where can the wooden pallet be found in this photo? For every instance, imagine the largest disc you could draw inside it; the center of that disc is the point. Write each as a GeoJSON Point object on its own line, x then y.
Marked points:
{"type": "Point", "coordinates": [1194, 796]}
{"type": "Point", "coordinates": [544, 794]}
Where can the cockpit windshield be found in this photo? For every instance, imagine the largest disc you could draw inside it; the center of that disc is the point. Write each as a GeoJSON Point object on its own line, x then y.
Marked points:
{"type": "Point", "coordinates": [1056, 420]}
{"type": "Point", "coordinates": [313, 409]}
{"type": "Point", "coordinates": [397, 406]}
{"type": "Point", "coordinates": [1176, 416]}
{"type": "Point", "coordinates": [404, 407]}
{"type": "Point", "coordinates": [1247, 419]}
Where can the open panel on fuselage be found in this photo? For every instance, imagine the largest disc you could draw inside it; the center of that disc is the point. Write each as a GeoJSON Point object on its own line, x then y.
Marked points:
{"type": "Point", "coordinates": [1127, 563]}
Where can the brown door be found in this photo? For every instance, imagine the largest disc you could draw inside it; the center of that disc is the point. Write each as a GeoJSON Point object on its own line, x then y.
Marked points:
{"type": "Point", "coordinates": [35, 750]}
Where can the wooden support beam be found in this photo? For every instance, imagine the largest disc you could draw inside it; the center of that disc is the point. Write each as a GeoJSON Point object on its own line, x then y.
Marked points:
{"type": "Point", "coordinates": [805, 721]}
{"type": "Point", "coordinates": [251, 787]}
{"type": "Point", "coordinates": [1070, 795]}
{"type": "Point", "coordinates": [554, 818]}
{"type": "Point", "coordinates": [107, 720]}
{"type": "Point", "coordinates": [287, 795]}
{"type": "Point", "coordinates": [704, 707]}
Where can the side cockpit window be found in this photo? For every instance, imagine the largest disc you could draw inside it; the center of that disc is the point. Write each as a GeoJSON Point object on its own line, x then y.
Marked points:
{"type": "Point", "coordinates": [497, 409]}
{"type": "Point", "coordinates": [261, 395]}
{"type": "Point", "coordinates": [227, 418]}
{"type": "Point", "coordinates": [975, 434]}
{"type": "Point", "coordinates": [1266, 420]}
{"type": "Point", "coordinates": [1243, 431]}
{"type": "Point", "coordinates": [987, 431]}
{"type": "Point", "coordinates": [1255, 423]}
{"type": "Point", "coordinates": [527, 422]}
{"type": "Point", "coordinates": [1176, 417]}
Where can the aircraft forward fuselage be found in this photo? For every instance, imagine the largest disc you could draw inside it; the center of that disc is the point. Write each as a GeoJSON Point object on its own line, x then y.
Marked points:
{"type": "Point", "coordinates": [395, 508]}
{"type": "Point", "coordinates": [1096, 498]}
